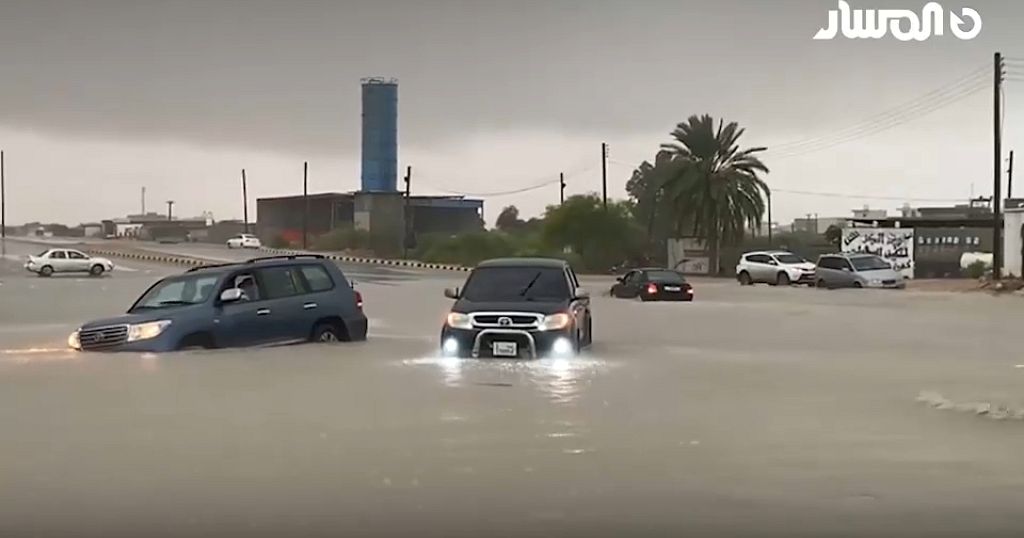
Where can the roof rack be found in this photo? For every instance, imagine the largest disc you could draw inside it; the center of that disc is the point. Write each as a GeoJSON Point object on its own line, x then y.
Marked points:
{"type": "Point", "coordinates": [210, 266]}
{"type": "Point", "coordinates": [286, 257]}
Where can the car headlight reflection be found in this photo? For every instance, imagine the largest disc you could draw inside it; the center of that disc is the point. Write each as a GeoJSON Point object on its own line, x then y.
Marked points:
{"type": "Point", "coordinates": [145, 331]}
{"type": "Point", "coordinates": [555, 322]}
{"type": "Point", "coordinates": [458, 320]}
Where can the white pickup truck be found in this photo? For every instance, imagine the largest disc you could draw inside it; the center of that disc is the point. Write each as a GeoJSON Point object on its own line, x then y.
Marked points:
{"type": "Point", "coordinates": [66, 260]}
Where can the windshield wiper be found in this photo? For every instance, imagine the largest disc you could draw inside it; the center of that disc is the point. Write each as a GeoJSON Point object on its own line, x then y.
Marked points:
{"type": "Point", "coordinates": [530, 285]}
{"type": "Point", "coordinates": [174, 303]}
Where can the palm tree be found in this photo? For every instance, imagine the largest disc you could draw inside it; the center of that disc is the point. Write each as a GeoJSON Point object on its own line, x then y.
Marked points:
{"type": "Point", "coordinates": [714, 185]}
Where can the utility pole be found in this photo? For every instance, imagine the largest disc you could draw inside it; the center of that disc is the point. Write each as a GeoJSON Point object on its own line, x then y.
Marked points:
{"type": "Point", "coordinates": [143, 201]}
{"type": "Point", "coordinates": [997, 197]}
{"type": "Point", "coordinates": [769, 218]}
{"type": "Point", "coordinates": [305, 205]}
{"type": "Point", "coordinates": [405, 212]}
{"type": "Point", "coordinates": [604, 174]}
{"type": "Point", "coordinates": [3, 203]}
{"type": "Point", "coordinates": [3, 207]}
{"type": "Point", "coordinates": [170, 204]}
{"type": "Point", "coordinates": [245, 205]}
{"type": "Point", "coordinates": [1009, 179]}
{"type": "Point", "coordinates": [561, 188]}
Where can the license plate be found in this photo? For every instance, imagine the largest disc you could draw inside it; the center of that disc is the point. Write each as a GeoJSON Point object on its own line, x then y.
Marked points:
{"type": "Point", "coordinates": [505, 349]}
{"type": "Point", "coordinates": [672, 288]}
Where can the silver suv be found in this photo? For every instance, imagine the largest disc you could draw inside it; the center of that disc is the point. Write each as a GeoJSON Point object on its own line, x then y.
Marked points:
{"type": "Point", "coordinates": [776, 267]}
{"type": "Point", "coordinates": [857, 271]}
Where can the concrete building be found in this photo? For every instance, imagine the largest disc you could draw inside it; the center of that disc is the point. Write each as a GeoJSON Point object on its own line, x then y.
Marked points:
{"type": "Point", "coordinates": [390, 218]}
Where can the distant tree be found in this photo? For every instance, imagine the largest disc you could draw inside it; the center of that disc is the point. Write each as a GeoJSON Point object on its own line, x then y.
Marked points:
{"type": "Point", "coordinates": [600, 238]}
{"type": "Point", "coordinates": [834, 235]}
{"type": "Point", "coordinates": [508, 219]}
{"type": "Point", "coordinates": [713, 184]}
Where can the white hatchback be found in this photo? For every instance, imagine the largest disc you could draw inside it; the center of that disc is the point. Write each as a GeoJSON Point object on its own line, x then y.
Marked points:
{"type": "Point", "coordinates": [244, 241]}
{"type": "Point", "coordinates": [66, 260]}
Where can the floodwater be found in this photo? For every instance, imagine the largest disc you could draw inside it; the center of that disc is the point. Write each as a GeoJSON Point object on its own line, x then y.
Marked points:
{"type": "Point", "coordinates": [752, 411]}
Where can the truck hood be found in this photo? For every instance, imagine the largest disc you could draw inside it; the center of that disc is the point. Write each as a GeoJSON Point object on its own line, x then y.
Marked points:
{"type": "Point", "coordinates": [170, 313]}
{"type": "Point", "coordinates": [804, 266]}
{"type": "Point", "coordinates": [536, 307]}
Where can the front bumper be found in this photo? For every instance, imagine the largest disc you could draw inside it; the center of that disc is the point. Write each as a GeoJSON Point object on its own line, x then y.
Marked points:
{"type": "Point", "coordinates": [477, 343]}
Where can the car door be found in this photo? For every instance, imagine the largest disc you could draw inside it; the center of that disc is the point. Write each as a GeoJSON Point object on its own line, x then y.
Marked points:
{"type": "Point", "coordinates": [846, 275]}
{"type": "Point", "coordinates": [77, 261]}
{"type": "Point", "coordinates": [247, 322]}
{"type": "Point", "coordinates": [286, 293]}
{"type": "Point", "coordinates": [321, 298]}
{"type": "Point", "coordinates": [58, 260]}
{"type": "Point", "coordinates": [622, 288]}
{"type": "Point", "coordinates": [579, 307]}
{"type": "Point", "coordinates": [760, 270]}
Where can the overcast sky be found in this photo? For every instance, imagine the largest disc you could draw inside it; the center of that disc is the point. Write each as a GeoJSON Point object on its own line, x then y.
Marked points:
{"type": "Point", "coordinates": [100, 98]}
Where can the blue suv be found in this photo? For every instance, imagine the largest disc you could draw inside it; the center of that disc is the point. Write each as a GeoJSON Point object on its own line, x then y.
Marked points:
{"type": "Point", "coordinates": [270, 300]}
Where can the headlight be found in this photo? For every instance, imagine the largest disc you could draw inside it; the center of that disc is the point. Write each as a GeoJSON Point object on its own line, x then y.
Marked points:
{"type": "Point", "coordinates": [876, 281]}
{"type": "Point", "coordinates": [458, 320]}
{"type": "Point", "coordinates": [73, 342]}
{"type": "Point", "coordinates": [555, 322]}
{"type": "Point", "coordinates": [145, 331]}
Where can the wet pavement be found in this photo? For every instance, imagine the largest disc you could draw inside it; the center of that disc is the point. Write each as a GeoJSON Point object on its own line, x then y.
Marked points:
{"type": "Point", "coordinates": [752, 411]}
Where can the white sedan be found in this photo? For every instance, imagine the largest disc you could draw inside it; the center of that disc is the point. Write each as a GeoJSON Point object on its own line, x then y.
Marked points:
{"type": "Point", "coordinates": [65, 260]}
{"type": "Point", "coordinates": [244, 241]}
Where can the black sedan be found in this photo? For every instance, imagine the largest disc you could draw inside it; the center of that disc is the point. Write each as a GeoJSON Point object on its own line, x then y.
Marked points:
{"type": "Point", "coordinates": [653, 284]}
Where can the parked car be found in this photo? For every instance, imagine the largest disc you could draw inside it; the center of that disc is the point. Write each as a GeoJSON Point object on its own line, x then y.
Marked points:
{"type": "Point", "coordinates": [519, 308]}
{"type": "Point", "coordinates": [856, 271]}
{"type": "Point", "coordinates": [653, 284]}
{"type": "Point", "coordinates": [244, 241]}
{"type": "Point", "coordinates": [66, 260]}
{"type": "Point", "coordinates": [776, 267]}
{"type": "Point", "coordinates": [269, 300]}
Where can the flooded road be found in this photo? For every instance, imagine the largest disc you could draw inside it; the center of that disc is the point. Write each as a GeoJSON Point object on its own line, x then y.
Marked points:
{"type": "Point", "coordinates": [753, 411]}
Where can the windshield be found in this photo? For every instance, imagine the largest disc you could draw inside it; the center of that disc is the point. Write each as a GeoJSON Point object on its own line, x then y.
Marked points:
{"type": "Point", "coordinates": [666, 276]}
{"type": "Point", "coordinates": [516, 284]}
{"type": "Point", "coordinates": [869, 263]}
{"type": "Point", "coordinates": [43, 253]}
{"type": "Point", "coordinates": [178, 291]}
{"type": "Point", "coordinates": [789, 259]}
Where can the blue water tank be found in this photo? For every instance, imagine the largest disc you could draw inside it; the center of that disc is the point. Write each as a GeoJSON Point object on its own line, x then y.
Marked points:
{"type": "Point", "coordinates": [380, 135]}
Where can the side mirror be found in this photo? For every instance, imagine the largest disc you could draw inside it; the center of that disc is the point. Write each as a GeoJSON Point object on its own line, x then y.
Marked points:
{"type": "Point", "coordinates": [620, 279]}
{"type": "Point", "coordinates": [451, 293]}
{"type": "Point", "coordinates": [231, 295]}
{"type": "Point", "coordinates": [582, 293]}
{"type": "Point", "coordinates": [772, 262]}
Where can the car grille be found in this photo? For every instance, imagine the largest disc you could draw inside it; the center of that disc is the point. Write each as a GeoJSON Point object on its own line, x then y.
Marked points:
{"type": "Point", "coordinates": [506, 320]}
{"type": "Point", "coordinates": [888, 282]}
{"type": "Point", "coordinates": [102, 337]}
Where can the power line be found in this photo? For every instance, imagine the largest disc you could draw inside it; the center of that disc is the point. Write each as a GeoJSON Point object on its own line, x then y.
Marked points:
{"type": "Point", "coordinates": [892, 122]}
{"type": "Point", "coordinates": [865, 196]}
{"type": "Point", "coordinates": [907, 108]}
{"type": "Point", "coordinates": [547, 181]}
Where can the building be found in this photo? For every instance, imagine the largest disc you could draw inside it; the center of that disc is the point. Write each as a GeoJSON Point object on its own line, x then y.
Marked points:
{"type": "Point", "coordinates": [942, 234]}
{"type": "Point", "coordinates": [390, 218]}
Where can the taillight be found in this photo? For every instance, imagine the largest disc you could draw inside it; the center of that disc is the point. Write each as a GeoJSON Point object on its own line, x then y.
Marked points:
{"type": "Point", "coordinates": [652, 289]}
{"type": "Point", "coordinates": [359, 300]}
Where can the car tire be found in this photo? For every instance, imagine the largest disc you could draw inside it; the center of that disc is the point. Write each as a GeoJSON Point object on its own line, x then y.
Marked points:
{"type": "Point", "coordinates": [45, 271]}
{"type": "Point", "coordinates": [782, 279]}
{"type": "Point", "coordinates": [195, 342]}
{"type": "Point", "coordinates": [744, 278]}
{"type": "Point", "coordinates": [821, 284]}
{"type": "Point", "coordinates": [326, 333]}
{"type": "Point", "coordinates": [857, 285]}
{"type": "Point", "coordinates": [96, 270]}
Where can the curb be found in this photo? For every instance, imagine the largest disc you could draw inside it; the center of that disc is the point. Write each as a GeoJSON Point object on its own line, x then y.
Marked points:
{"type": "Point", "coordinates": [371, 261]}
{"type": "Point", "coordinates": [157, 258]}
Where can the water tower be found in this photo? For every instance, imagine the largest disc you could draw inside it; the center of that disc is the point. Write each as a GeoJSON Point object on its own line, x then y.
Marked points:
{"type": "Point", "coordinates": [380, 135]}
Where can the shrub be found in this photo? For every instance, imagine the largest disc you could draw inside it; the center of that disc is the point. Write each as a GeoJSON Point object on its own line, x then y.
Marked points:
{"type": "Point", "coordinates": [977, 269]}
{"type": "Point", "coordinates": [278, 241]}
{"type": "Point", "coordinates": [342, 239]}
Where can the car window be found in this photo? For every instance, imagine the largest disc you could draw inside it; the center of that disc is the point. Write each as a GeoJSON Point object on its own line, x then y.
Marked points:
{"type": "Point", "coordinates": [247, 283]}
{"type": "Point", "coordinates": [632, 276]}
{"type": "Point", "coordinates": [828, 262]}
{"type": "Point", "coordinates": [666, 276]}
{"type": "Point", "coordinates": [178, 291]}
{"type": "Point", "coordinates": [759, 258]}
{"type": "Point", "coordinates": [789, 258]}
{"type": "Point", "coordinates": [281, 282]}
{"type": "Point", "coordinates": [317, 278]}
{"type": "Point", "coordinates": [572, 276]}
{"type": "Point", "coordinates": [870, 263]}
{"type": "Point", "coordinates": [516, 284]}
{"type": "Point", "coordinates": [75, 255]}
{"type": "Point", "coordinates": [57, 255]}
